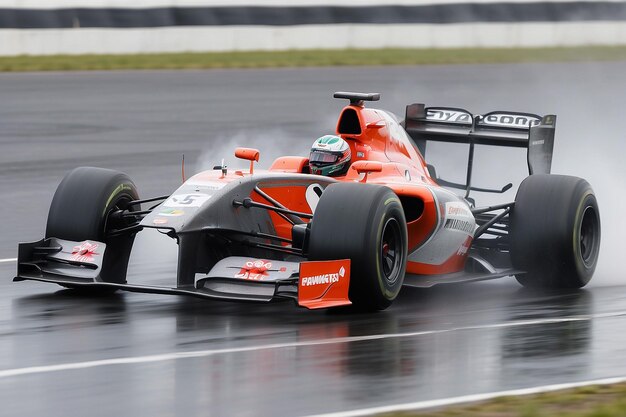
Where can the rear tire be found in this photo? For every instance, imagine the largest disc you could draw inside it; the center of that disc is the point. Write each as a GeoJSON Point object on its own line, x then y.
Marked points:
{"type": "Point", "coordinates": [555, 232]}
{"type": "Point", "coordinates": [364, 223]}
{"type": "Point", "coordinates": [80, 211]}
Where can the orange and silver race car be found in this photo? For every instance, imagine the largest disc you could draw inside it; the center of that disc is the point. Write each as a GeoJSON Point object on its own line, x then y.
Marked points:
{"type": "Point", "coordinates": [285, 233]}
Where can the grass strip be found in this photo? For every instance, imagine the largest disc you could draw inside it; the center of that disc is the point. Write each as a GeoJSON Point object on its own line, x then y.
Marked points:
{"type": "Point", "coordinates": [309, 58]}
{"type": "Point", "coordinates": [591, 401]}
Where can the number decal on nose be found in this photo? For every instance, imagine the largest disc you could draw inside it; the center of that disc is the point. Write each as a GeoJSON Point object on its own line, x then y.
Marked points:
{"type": "Point", "coordinates": [187, 200]}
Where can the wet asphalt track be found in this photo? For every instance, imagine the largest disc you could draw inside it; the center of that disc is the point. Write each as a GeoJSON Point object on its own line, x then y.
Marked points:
{"type": "Point", "coordinates": [276, 359]}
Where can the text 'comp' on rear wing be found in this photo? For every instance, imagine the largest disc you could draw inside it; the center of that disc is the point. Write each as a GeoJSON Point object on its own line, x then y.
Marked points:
{"type": "Point", "coordinates": [499, 128]}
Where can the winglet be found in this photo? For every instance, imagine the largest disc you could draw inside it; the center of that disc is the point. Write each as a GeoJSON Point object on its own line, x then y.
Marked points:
{"type": "Point", "coordinates": [324, 284]}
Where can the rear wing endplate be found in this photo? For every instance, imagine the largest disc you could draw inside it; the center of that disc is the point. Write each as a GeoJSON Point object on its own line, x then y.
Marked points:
{"type": "Point", "coordinates": [499, 128]}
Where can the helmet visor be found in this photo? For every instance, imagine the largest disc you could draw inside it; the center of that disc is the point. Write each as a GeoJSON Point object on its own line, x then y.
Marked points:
{"type": "Point", "coordinates": [323, 157]}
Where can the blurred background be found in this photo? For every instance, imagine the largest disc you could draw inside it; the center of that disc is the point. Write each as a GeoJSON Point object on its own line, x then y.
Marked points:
{"type": "Point", "coordinates": [147, 26]}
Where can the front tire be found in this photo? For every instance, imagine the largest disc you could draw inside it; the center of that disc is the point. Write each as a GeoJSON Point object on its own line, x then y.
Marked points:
{"type": "Point", "coordinates": [81, 208]}
{"type": "Point", "coordinates": [555, 232]}
{"type": "Point", "coordinates": [366, 224]}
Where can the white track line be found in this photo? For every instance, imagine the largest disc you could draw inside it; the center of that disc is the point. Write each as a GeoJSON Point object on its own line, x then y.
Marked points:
{"type": "Point", "coordinates": [8, 260]}
{"type": "Point", "coordinates": [203, 353]}
{"type": "Point", "coordinates": [470, 398]}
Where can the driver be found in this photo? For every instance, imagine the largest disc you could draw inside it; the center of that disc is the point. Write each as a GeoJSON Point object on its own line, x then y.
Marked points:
{"type": "Point", "coordinates": [330, 155]}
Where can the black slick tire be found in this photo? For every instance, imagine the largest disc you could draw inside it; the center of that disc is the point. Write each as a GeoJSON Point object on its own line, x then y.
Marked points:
{"type": "Point", "coordinates": [555, 232]}
{"type": "Point", "coordinates": [366, 224]}
{"type": "Point", "coordinates": [80, 211]}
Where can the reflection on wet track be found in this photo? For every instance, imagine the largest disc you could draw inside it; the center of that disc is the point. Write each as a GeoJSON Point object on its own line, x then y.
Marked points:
{"type": "Point", "coordinates": [63, 353]}
{"type": "Point", "coordinates": [276, 359]}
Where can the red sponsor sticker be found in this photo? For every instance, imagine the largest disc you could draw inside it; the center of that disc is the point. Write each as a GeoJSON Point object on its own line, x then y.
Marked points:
{"type": "Point", "coordinates": [84, 252]}
{"type": "Point", "coordinates": [464, 247]}
{"type": "Point", "coordinates": [255, 270]}
{"type": "Point", "coordinates": [324, 284]}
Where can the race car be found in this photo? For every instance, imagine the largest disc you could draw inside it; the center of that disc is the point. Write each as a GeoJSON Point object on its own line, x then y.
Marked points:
{"type": "Point", "coordinates": [286, 233]}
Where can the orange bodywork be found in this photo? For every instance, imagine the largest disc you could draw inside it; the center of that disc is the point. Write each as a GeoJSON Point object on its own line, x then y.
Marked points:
{"type": "Point", "coordinates": [382, 153]}
{"type": "Point", "coordinates": [292, 164]}
{"type": "Point", "coordinates": [293, 197]}
{"type": "Point", "coordinates": [324, 284]}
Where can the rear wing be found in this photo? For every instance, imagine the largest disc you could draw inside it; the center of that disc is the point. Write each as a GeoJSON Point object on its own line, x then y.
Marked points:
{"type": "Point", "coordinates": [499, 128]}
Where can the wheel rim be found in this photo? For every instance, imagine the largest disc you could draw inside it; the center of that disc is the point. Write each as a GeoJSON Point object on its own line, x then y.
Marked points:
{"type": "Point", "coordinates": [120, 203]}
{"type": "Point", "coordinates": [589, 236]}
{"type": "Point", "coordinates": [391, 253]}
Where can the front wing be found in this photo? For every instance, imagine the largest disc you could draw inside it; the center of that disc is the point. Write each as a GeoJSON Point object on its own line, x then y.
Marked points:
{"type": "Point", "coordinates": [311, 284]}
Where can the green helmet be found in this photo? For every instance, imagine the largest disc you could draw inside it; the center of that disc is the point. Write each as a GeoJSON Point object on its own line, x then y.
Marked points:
{"type": "Point", "coordinates": [330, 155]}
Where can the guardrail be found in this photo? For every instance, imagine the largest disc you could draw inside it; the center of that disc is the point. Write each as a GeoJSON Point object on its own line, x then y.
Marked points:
{"type": "Point", "coordinates": [144, 26]}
